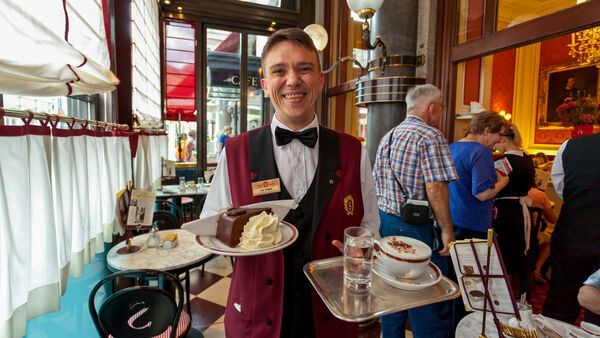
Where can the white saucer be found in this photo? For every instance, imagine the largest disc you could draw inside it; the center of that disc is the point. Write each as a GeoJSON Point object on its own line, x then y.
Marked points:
{"type": "Point", "coordinates": [431, 276]}
{"type": "Point", "coordinates": [289, 235]}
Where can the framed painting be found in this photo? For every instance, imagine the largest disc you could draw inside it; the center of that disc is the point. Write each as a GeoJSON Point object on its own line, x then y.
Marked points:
{"type": "Point", "coordinates": [562, 81]}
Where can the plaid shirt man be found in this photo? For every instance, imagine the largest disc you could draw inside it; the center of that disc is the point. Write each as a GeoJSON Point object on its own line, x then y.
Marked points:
{"type": "Point", "coordinates": [419, 154]}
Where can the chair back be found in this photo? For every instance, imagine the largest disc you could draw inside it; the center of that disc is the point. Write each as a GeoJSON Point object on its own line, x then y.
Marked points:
{"type": "Point", "coordinates": [165, 220]}
{"type": "Point", "coordinates": [170, 207]}
{"type": "Point", "coordinates": [139, 311]}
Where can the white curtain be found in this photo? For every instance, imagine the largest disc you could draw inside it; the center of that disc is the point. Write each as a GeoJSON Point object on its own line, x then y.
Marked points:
{"type": "Point", "coordinates": [54, 50]}
{"type": "Point", "coordinates": [147, 161]}
{"type": "Point", "coordinates": [145, 60]}
{"type": "Point", "coordinates": [57, 203]}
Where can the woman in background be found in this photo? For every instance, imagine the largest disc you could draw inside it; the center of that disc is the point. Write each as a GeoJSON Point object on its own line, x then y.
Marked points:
{"type": "Point", "coordinates": [224, 136]}
{"type": "Point", "coordinates": [512, 222]}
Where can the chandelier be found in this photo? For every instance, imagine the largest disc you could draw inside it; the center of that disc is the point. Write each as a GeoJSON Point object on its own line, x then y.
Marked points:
{"type": "Point", "coordinates": [585, 45]}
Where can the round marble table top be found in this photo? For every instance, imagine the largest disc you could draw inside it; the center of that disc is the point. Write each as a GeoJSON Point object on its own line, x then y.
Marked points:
{"type": "Point", "coordinates": [185, 254]}
{"type": "Point", "coordinates": [470, 325]}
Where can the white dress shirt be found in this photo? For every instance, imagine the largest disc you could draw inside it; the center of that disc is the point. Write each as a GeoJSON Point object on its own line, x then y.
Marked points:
{"type": "Point", "coordinates": [558, 171]}
{"type": "Point", "coordinates": [297, 165]}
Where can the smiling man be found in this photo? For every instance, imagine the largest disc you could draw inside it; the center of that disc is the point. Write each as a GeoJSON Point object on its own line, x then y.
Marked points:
{"type": "Point", "coordinates": [326, 172]}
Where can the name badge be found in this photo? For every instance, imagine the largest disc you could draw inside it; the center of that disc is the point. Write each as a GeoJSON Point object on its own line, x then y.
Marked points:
{"type": "Point", "coordinates": [265, 187]}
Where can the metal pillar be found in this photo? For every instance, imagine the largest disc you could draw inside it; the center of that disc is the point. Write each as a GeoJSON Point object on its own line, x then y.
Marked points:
{"type": "Point", "coordinates": [383, 92]}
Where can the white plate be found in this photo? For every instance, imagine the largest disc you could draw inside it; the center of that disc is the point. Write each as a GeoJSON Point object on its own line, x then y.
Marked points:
{"type": "Point", "coordinates": [289, 234]}
{"type": "Point", "coordinates": [431, 276]}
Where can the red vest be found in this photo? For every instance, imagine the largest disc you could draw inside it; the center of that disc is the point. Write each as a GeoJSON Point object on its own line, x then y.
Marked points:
{"type": "Point", "coordinates": [257, 281]}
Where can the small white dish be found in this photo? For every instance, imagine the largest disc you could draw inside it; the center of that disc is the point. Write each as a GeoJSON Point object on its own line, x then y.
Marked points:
{"type": "Point", "coordinates": [431, 276]}
{"type": "Point", "coordinates": [575, 332]}
{"type": "Point", "coordinates": [289, 234]}
{"type": "Point", "coordinates": [590, 328]}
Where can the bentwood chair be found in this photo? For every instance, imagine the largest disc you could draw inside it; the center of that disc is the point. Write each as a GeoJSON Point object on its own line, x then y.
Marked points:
{"type": "Point", "coordinates": [149, 309]}
{"type": "Point", "coordinates": [165, 220]}
{"type": "Point", "coordinates": [166, 205]}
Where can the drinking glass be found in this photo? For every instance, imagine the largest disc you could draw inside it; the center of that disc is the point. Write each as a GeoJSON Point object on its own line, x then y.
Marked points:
{"type": "Point", "coordinates": [181, 183]}
{"type": "Point", "coordinates": [358, 258]}
{"type": "Point", "coordinates": [207, 174]}
{"type": "Point", "coordinates": [201, 184]}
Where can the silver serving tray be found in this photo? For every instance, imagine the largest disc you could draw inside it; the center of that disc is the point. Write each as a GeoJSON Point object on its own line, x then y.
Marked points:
{"type": "Point", "coordinates": [327, 277]}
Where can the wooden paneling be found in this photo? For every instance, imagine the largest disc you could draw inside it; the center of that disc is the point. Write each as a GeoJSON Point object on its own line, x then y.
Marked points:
{"type": "Point", "coordinates": [243, 14]}
{"type": "Point", "coordinates": [123, 61]}
{"type": "Point", "coordinates": [445, 72]}
{"type": "Point", "coordinates": [569, 20]}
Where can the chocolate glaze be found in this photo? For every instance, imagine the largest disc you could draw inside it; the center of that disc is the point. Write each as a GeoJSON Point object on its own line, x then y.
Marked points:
{"type": "Point", "coordinates": [231, 224]}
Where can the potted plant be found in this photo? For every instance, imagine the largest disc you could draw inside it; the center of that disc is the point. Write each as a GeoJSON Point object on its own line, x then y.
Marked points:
{"type": "Point", "coordinates": [581, 112]}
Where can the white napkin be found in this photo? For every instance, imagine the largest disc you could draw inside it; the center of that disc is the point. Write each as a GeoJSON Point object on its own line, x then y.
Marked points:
{"type": "Point", "coordinates": [208, 226]}
{"type": "Point", "coordinates": [550, 328]}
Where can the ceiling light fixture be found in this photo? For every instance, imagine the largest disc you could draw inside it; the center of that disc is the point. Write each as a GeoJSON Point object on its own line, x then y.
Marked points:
{"type": "Point", "coordinates": [585, 45]}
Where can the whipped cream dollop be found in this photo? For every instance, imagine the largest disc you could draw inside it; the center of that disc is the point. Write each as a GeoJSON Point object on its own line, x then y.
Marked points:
{"type": "Point", "coordinates": [261, 231]}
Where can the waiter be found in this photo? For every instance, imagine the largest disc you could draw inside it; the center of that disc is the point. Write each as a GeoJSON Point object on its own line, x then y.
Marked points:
{"type": "Point", "coordinates": [326, 172]}
{"type": "Point", "coordinates": [575, 243]}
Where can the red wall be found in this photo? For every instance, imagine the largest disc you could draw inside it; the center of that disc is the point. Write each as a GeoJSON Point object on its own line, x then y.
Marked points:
{"type": "Point", "coordinates": [503, 79]}
{"type": "Point", "coordinates": [553, 52]}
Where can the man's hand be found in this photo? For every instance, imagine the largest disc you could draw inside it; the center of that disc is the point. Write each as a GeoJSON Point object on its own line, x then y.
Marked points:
{"type": "Point", "coordinates": [447, 238]}
{"type": "Point", "coordinates": [589, 298]}
{"type": "Point", "coordinates": [437, 194]}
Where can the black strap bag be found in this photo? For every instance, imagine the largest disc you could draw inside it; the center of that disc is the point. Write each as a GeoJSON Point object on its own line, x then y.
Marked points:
{"type": "Point", "coordinates": [411, 211]}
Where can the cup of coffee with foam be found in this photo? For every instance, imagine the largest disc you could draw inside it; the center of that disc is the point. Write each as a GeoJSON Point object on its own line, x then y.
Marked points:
{"type": "Point", "coordinates": [404, 256]}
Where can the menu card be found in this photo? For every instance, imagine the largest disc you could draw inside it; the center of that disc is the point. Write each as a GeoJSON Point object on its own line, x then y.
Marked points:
{"type": "Point", "coordinates": [474, 261]}
{"type": "Point", "coordinates": [503, 166]}
{"type": "Point", "coordinates": [141, 208]}
{"type": "Point", "coordinates": [168, 168]}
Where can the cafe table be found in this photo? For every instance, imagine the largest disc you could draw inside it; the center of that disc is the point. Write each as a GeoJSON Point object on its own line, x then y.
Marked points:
{"type": "Point", "coordinates": [188, 254]}
{"type": "Point", "coordinates": [173, 192]}
{"type": "Point", "coordinates": [470, 325]}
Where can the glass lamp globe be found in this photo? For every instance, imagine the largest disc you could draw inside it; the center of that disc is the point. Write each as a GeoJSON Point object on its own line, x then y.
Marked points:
{"type": "Point", "coordinates": [364, 8]}
{"type": "Point", "coordinates": [318, 34]}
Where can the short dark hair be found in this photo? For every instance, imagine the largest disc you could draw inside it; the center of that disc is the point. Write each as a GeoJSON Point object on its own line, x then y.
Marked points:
{"type": "Point", "coordinates": [485, 119]}
{"type": "Point", "coordinates": [295, 35]}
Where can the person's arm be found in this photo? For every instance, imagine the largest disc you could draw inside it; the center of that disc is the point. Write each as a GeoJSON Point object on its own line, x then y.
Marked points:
{"type": "Point", "coordinates": [558, 172]}
{"type": "Point", "coordinates": [501, 182]}
{"type": "Point", "coordinates": [221, 142]}
{"type": "Point", "coordinates": [438, 196]}
{"type": "Point", "coordinates": [548, 213]}
{"type": "Point", "coordinates": [219, 193]}
{"type": "Point", "coordinates": [589, 298]}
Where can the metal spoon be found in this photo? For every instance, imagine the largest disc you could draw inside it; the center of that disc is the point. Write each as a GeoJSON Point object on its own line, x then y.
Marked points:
{"type": "Point", "coordinates": [398, 278]}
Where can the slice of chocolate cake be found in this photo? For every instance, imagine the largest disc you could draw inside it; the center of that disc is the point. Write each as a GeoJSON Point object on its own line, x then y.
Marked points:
{"type": "Point", "coordinates": [231, 224]}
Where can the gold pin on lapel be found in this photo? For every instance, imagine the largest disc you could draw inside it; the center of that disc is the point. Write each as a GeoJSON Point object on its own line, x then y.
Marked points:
{"type": "Point", "coordinates": [349, 205]}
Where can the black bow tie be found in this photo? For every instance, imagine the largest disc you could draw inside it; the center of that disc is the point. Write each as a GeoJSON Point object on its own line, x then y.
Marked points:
{"type": "Point", "coordinates": [308, 137]}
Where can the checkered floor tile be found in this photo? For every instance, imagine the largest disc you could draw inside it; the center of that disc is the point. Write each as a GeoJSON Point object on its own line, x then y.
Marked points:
{"type": "Point", "coordinates": [208, 293]}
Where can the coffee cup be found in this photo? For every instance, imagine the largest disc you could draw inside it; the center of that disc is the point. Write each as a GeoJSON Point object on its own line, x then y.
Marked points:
{"type": "Point", "coordinates": [590, 328]}
{"type": "Point", "coordinates": [404, 256]}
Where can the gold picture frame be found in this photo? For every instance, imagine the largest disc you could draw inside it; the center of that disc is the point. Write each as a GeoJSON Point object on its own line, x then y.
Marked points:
{"type": "Point", "coordinates": [552, 91]}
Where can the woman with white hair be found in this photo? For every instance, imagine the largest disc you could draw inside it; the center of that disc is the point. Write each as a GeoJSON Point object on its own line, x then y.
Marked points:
{"type": "Point", "coordinates": [512, 222]}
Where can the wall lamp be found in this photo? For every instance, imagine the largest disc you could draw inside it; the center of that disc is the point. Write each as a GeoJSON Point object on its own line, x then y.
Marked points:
{"type": "Point", "coordinates": [365, 9]}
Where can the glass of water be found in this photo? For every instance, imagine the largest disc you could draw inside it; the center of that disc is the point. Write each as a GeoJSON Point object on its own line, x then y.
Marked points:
{"type": "Point", "coordinates": [358, 258]}
{"type": "Point", "coordinates": [182, 184]}
{"type": "Point", "coordinates": [201, 184]}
